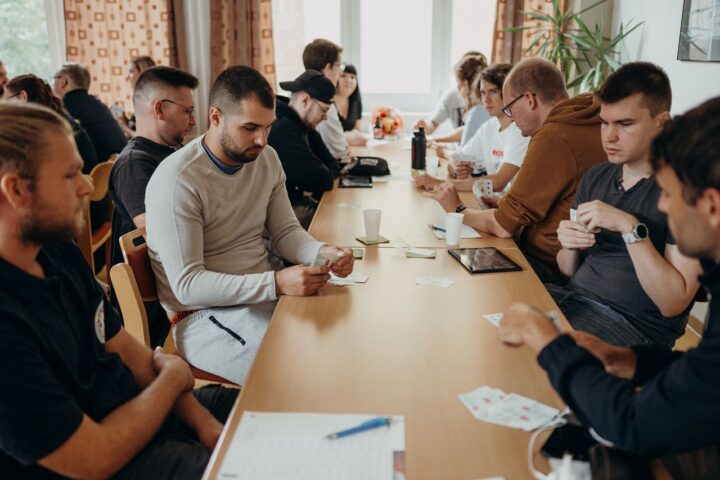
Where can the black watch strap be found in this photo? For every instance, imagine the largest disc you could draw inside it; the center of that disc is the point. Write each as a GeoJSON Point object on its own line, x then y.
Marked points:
{"type": "Point", "coordinates": [460, 208]}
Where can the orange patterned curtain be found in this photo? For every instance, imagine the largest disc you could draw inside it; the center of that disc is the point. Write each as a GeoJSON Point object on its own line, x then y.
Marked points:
{"type": "Point", "coordinates": [241, 34]}
{"type": "Point", "coordinates": [104, 35]}
{"type": "Point", "coordinates": [509, 47]}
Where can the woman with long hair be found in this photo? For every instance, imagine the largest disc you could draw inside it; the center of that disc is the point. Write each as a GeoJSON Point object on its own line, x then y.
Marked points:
{"type": "Point", "coordinates": [349, 105]}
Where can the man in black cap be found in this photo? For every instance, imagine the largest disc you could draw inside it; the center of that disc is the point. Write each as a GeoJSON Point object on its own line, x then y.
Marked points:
{"type": "Point", "coordinates": [309, 166]}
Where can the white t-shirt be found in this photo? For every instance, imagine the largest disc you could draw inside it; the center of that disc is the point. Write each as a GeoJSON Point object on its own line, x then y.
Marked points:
{"type": "Point", "coordinates": [451, 105]}
{"type": "Point", "coordinates": [491, 147]}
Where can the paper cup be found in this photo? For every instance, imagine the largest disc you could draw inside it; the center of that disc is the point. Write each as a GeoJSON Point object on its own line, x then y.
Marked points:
{"type": "Point", "coordinates": [453, 225]}
{"type": "Point", "coordinates": [372, 223]}
{"type": "Point", "coordinates": [431, 165]}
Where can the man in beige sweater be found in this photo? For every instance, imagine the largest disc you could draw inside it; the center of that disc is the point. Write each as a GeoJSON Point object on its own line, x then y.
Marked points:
{"type": "Point", "coordinates": [207, 207]}
{"type": "Point", "coordinates": [565, 143]}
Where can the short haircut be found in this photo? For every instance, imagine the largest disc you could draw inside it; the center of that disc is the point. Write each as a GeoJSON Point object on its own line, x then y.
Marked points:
{"type": "Point", "coordinates": [23, 133]}
{"type": "Point", "coordinates": [237, 83]}
{"type": "Point", "coordinates": [142, 62]}
{"type": "Point", "coordinates": [319, 53]}
{"type": "Point", "coordinates": [469, 66]}
{"type": "Point", "coordinates": [162, 77]}
{"type": "Point", "coordinates": [495, 74]}
{"type": "Point", "coordinates": [77, 74]}
{"type": "Point", "coordinates": [538, 76]}
{"type": "Point", "coordinates": [639, 77]}
{"type": "Point", "coordinates": [690, 145]}
{"type": "Point", "coordinates": [37, 90]}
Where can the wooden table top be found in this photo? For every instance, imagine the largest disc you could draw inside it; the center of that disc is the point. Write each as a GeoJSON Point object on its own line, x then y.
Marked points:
{"type": "Point", "coordinates": [393, 347]}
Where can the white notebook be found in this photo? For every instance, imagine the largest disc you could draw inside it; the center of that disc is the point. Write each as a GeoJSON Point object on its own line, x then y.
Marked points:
{"type": "Point", "coordinates": [281, 446]}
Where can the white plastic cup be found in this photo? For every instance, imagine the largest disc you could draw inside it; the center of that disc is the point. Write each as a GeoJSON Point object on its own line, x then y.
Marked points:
{"type": "Point", "coordinates": [372, 223]}
{"type": "Point", "coordinates": [431, 165]}
{"type": "Point", "coordinates": [453, 225]}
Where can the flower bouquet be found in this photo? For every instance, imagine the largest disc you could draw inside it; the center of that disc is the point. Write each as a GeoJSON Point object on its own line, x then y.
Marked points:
{"type": "Point", "coordinates": [390, 120]}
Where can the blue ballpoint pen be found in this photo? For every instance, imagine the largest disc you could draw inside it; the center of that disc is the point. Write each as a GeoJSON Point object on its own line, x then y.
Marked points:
{"type": "Point", "coordinates": [369, 425]}
{"type": "Point", "coordinates": [439, 229]}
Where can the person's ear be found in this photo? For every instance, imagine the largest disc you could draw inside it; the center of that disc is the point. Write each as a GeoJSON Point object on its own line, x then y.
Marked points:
{"type": "Point", "coordinates": [14, 190]}
{"type": "Point", "coordinates": [157, 107]}
{"type": "Point", "coordinates": [23, 95]}
{"type": "Point", "coordinates": [215, 115]}
{"type": "Point", "coordinates": [709, 206]}
{"type": "Point", "coordinates": [327, 69]}
{"type": "Point", "coordinates": [662, 117]}
{"type": "Point", "coordinates": [534, 103]}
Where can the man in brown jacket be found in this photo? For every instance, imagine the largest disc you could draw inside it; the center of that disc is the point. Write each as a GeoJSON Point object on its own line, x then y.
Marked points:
{"type": "Point", "coordinates": [565, 143]}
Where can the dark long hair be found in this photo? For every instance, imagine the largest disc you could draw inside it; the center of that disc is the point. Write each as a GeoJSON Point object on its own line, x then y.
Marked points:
{"type": "Point", "coordinates": [38, 91]}
{"type": "Point", "coordinates": [355, 99]}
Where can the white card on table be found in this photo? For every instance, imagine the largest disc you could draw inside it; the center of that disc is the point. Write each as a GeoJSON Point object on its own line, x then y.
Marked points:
{"type": "Point", "coordinates": [443, 282]}
{"type": "Point", "coordinates": [494, 318]}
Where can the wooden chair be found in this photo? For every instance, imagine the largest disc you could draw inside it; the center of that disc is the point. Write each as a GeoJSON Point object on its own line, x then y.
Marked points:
{"type": "Point", "coordinates": [90, 241]}
{"type": "Point", "coordinates": [134, 283]}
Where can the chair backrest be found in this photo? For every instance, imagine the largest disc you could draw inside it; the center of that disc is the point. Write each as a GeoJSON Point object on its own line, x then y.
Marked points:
{"type": "Point", "coordinates": [93, 237]}
{"type": "Point", "coordinates": [131, 304]}
{"type": "Point", "coordinates": [137, 257]}
{"type": "Point", "coordinates": [100, 175]}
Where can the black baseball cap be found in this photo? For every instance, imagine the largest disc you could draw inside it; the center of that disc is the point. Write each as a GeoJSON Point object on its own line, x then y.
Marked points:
{"type": "Point", "coordinates": [317, 85]}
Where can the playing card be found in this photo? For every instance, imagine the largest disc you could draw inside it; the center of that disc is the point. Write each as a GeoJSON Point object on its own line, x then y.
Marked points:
{"type": "Point", "coordinates": [494, 318]}
{"type": "Point", "coordinates": [352, 279]}
{"type": "Point", "coordinates": [323, 257]}
{"type": "Point", "coordinates": [495, 406]}
{"type": "Point", "coordinates": [442, 282]}
{"type": "Point", "coordinates": [573, 215]}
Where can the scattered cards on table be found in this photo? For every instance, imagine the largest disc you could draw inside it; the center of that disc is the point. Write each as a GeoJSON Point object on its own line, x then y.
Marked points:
{"type": "Point", "coordinates": [420, 253]}
{"type": "Point", "coordinates": [352, 279]}
{"type": "Point", "coordinates": [443, 282]}
{"type": "Point", "coordinates": [492, 405]}
{"type": "Point", "coordinates": [495, 319]}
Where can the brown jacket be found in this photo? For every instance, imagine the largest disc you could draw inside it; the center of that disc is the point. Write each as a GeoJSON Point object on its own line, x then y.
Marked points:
{"type": "Point", "coordinates": [564, 148]}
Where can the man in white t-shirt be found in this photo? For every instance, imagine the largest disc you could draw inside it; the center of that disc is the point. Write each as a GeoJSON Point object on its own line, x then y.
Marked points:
{"type": "Point", "coordinates": [497, 149]}
{"type": "Point", "coordinates": [325, 57]}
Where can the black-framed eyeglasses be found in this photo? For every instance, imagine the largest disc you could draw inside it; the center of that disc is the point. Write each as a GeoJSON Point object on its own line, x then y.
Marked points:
{"type": "Point", "coordinates": [506, 109]}
{"type": "Point", "coordinates": [324, 107]}
{"type": "Point", "coordinates": [189, 111]}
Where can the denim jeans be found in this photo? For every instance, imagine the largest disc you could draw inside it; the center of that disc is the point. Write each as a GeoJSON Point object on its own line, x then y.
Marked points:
{"type": "Point", "coordinates": [588, 315]}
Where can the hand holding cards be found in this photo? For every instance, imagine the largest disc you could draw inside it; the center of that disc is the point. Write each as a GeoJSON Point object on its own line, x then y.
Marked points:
{"type": "Point", "coordinates": [573, 235]}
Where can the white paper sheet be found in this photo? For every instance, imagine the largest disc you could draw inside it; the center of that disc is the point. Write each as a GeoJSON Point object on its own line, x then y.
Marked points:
{"type": "Point", "coordinates": [278, 446]}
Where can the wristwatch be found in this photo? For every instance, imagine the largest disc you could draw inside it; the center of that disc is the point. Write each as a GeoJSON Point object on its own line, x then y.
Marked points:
{"type": "Point", "coordinates": [460, 208]}
{"type": "Point", "coordinates": [638, 234]}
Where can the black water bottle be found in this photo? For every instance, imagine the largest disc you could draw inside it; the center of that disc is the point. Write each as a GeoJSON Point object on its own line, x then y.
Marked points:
{"type": "Point", "coordinates": [419, 144]}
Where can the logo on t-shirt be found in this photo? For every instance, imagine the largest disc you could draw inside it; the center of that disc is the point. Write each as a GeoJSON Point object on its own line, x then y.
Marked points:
{"type": "Point", "coordinates": [100, 322]}
{"type": "Point", "coordinates": [497, 153]}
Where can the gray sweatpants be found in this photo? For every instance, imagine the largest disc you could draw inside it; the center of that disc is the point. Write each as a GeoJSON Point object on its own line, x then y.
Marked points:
{"type": "Point", "coordinates": [224, 341]}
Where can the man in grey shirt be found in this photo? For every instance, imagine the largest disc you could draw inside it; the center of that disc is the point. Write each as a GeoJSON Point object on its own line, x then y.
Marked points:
{"type": "Point", "coordinates": [207, 206]}
{"type": "Point", "coordinates": [629, 284]}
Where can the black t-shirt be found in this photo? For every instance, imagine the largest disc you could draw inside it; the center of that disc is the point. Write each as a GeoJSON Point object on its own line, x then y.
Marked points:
{"type": "Point", "coordinates": [98, 121]}
{"type": "Point", "coordinates": [607, 272]}
{"type": "Point", "coordinates": [128, 180]}
{"type": "Point", "coordinates": [354, 114]}
{"type": "Point", "coordinates": [53, 365]}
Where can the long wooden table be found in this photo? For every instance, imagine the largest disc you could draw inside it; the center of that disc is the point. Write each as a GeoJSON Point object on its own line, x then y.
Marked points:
{"type": "Point", "coordinates": [393, 347]}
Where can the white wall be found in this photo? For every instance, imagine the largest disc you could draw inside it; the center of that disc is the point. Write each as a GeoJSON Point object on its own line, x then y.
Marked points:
{"type": "Point", "coordinates": [657, 41]}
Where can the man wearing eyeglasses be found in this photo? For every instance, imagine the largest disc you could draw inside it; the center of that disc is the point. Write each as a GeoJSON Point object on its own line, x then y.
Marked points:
{"type": "Point", "coordinates": [308, 164]}
{"type": "Point", "coordinates": [164, 111]}
{"type": "Point", "coordinates": [71, 84]}
{"type": "Point", "coordinates": [565, 143]}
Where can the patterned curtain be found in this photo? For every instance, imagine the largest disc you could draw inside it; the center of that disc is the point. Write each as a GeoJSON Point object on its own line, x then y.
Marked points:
{"type": "Point", "coordinates": [241, 34]}
{"type": "Point", "coordinates": [509, 47]}
{"type": "Point", "coordinates": [104, 35]}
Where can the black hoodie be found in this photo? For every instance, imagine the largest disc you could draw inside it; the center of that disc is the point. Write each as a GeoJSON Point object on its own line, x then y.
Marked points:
{"type": "Point", "coordinates": [309, 166]}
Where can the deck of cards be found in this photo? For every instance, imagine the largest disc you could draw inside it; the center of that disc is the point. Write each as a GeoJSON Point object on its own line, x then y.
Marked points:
{"type": "Point", "coordinates": [322, 257]}
{"type": "Point", "coordinates": [482, 187]}
{"type": "Point", "coordinates": [492, 405]}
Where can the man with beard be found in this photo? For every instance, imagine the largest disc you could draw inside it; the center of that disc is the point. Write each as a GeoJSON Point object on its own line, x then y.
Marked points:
{"type": "Point", "coordinates": [308, 164]}
{"type": "Point", "coordinates": [207, 207]}
{"type": "Point", "coordinates": [164, 112]}
{"type": "Point", "coordinates": [81, 397]}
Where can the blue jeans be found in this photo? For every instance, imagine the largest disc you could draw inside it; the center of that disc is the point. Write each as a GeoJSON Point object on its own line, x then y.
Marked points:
{"type": "Point", "coordinates": [588, 315]}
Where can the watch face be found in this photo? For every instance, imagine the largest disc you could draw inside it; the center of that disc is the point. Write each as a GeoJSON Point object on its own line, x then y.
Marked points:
{"type": "Point", "coordinates": [641, 230]}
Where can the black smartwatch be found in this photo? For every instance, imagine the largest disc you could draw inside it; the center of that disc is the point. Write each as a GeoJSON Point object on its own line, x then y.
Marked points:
{"type": "Point", "coordinates": [460, 208]}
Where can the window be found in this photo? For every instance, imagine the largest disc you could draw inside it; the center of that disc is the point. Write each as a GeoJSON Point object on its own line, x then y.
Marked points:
{"type": "Point", "coordinates": [403, 50]}
{"type": "Point", "coordinates": [24, 45]}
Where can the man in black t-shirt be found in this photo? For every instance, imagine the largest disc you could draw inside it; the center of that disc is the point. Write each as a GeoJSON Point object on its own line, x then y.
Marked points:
{"type": "Point", "coordinates": [80, 397]}
{"type": "Point", "coordinates": [71, 84]}
{"type": "Point", "coordinates": [164, 110]}
{"type": "Point", "coordinates": [629, 283]}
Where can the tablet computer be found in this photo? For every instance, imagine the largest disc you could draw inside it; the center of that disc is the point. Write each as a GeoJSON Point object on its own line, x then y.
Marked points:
{"type": "Point", "coordinates": [484, 260]}
{"type": "Point", "coordinates": [355, 181]}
